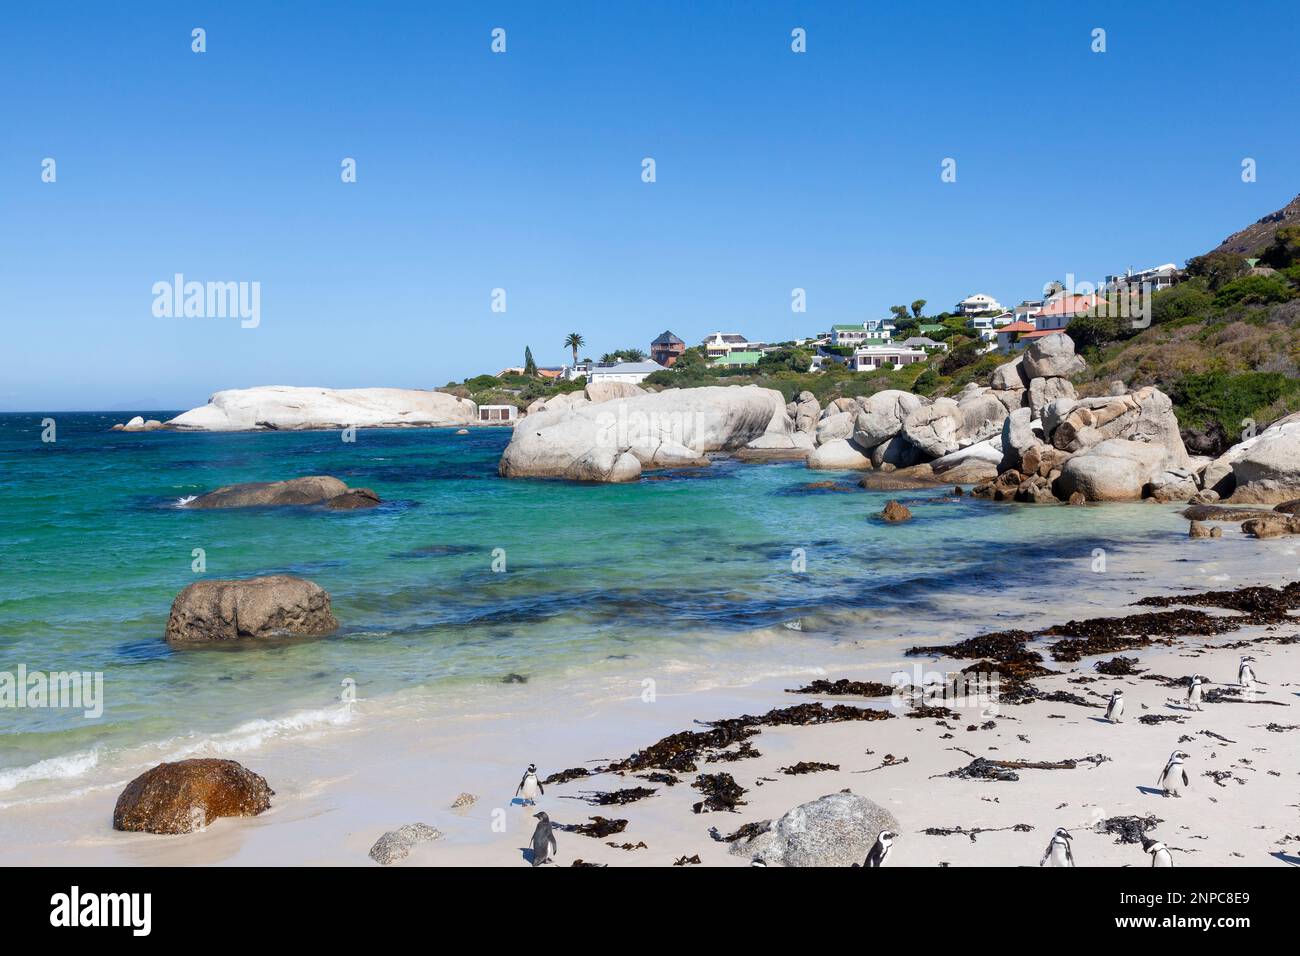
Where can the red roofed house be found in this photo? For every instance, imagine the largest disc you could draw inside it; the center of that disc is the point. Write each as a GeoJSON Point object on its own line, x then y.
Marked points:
{"type": "Point", "coordinates": [1010, 336]}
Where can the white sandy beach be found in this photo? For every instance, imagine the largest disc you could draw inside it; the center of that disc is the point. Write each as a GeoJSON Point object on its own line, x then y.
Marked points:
{"type": "Point", "coordinates": [345, 780]}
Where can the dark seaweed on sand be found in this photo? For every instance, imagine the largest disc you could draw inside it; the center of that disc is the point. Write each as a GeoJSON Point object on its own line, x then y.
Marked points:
{"type": "Point", "coordinates": [687, 860]}
{"type": "Point", "coordinates": [745, 751]}
{"type": "Point", "coordinates": [564, 776]}
{"type": "Point", "coordinates": [608, 798]}
{"type": "Point", "coordinates": [846, 688]}
{"type": "Point", "coordinates": [1260, 604]}
{"type": "Point", "coordinates": [1118, 667]}
{"type": "Point", "coordinates": [667, 779]}
{"type": "Point", "coordinates": [1161, 718]}
{"type": "Point", "coordinates": [981, 768]}
{"type": "Point", "coordinates": [721, 793]}
{"type": "Point", "coordinates": [808, 766]}
{"type": "Point", "coordinates": [746, 832]}
{"type": "Point", "coordinates": [599, 827]}
{"type": "Point", "coordinates": [1065, 697]}
{"type": "Point", "coordinates": [1128, 829]}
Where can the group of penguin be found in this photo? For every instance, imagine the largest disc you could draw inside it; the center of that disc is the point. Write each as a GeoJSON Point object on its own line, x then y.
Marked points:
{"type": "Point", "coordinates": [1172, 779]}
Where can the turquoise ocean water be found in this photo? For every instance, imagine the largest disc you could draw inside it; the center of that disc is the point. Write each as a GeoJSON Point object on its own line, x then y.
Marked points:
{"type": "Point", "coordinates": [93, 549]}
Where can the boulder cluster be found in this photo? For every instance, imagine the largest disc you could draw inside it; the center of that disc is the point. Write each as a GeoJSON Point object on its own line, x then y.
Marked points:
{"type": "Point", "coordinates": [1026, 436]}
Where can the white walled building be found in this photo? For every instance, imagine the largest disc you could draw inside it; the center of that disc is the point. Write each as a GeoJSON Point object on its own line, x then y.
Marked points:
{"type": "Point", "coordinates": [979, 302]}
{"type": "Point", "coordinates": [633, 373]}
{"type": "Point", "coordinates": [875, 356]}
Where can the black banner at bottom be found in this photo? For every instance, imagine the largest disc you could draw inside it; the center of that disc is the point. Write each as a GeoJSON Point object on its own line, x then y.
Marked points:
{"type": "Point", "coordinates": [304, 904]}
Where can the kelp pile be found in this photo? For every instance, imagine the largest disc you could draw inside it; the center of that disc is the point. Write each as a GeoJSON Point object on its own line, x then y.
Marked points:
{"type": "Point", "coordinates": [746, 832]}
{"type": "Point", "coordinates": [808, 766]}
{"type": "Point", "coordinates": [721, 793]}
{"type": "Point", "coordinates": [846, 688]}
{"type": "Point", "coordinates": [1128, 829]}
{"type": "Point", "coordinates": [1118, 667]}
{"type": "Point", "coordinates": [599, 827]}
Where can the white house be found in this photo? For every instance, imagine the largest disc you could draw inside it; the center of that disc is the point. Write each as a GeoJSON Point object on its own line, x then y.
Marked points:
{"type": "Point", "coordinates": [868, 333]}
{"type": "Point", "coordinates": [924, 342]}
{"type": "Point", "coordinates": [1159, 278]}
{"type": "Point", "coordinates": [875, 356]}
{"type": "Point", "coordinates": [979, 302]}
{"type": "Point", "coordinates": [632, 372]}
{"type": "Point", "coordinates": [724, 343]}
{"type": "Point", "coordinates": [1027, 309]}
{"type": "Point", "coordinates": [497, 414]}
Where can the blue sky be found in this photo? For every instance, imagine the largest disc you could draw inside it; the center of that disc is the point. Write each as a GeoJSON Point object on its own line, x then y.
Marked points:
{"type": "Point", "coordinates": [522, 171]}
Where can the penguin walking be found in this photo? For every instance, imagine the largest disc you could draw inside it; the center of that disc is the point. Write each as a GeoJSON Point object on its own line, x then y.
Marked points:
{"type": "Point", "coordinates": [544, 845]}
{"type": "Point", "coordinates": [1174, 777]}
{"type": "Point", "coordinates": [529, 787]}
{"type": "Point", "coordinates": [1160, 855]}
{"type": "Point", "coordinates": [1058, 851]}
{"type": "Point", "coordinates": [1194, 692]}
{"type": "Point", "coordinates": [1246, 674]}
{"type": "Point", "coordinates": [879, 851]}
{"type": "Point", "coordinates": [1115, 709]}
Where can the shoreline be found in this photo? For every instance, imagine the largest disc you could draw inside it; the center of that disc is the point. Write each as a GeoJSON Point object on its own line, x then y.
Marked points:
{"type": "Point", "coordinates": [336, 793]}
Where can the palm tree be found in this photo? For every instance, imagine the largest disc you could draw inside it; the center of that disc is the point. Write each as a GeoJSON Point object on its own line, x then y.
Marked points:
{"type": "Point", "coordinates": [574, 341]}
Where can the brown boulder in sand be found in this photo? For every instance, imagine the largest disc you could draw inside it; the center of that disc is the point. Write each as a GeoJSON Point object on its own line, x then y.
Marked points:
{"type": "Point", "coordinates": [312, 490]}
{"type": "Point", "coordinates": [209, 611]}
{"type": "Point", "coordinates": [188, 795]}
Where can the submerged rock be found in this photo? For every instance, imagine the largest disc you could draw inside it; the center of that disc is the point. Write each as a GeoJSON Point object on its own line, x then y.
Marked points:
{"type": "Point", "coordinates": [312, 490]}
{"type": "Point", "coordinates": [211, 611]}
{"type": "Point", "coordinates": [187, 795]}
{"type": "Point", "coordinates": [895, 512]}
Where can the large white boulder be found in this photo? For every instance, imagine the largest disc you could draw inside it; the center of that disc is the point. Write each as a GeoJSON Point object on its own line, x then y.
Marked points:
{"type": "Point", "coordinates": [1052, 356]}
{"type": "Point", "coordinates": [614, 440]}
{"type": "Point", "coordinates": [837, 425]}
{"type": "Point", "coordinates": [882, 415]}
{"type": "Point", "coordinates": [1113, 470]}
{"type": "Point", "coordinates": [835, 830]}
{"type": "Point", "coordinates": [606, 391]}
{"type": "Point", "coordinates": [1218, 475]}
{"type": "Point", "coordinates": [1269, 471]}
{"type": "Point", "coordinates": [287, 407]}
{"type": "Point", "coordinates": [840, 453]}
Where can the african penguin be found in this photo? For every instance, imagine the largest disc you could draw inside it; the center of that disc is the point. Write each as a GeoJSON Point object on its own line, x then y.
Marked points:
{"type": "Point", "coordinates": [1058, 851]}
{"type": "Point", "coordinates": [879, 851]}
{"type": "Point", "coordinates": [1159, 852]}
{"type": "Point", "coordinates": [544, 845]}
{"type": "Point", "coordinates": [1246, 673]}
{"type": "Point", "coordinates": [530, 786]}
{"type": "Point", "coordinates": [1174, 776]}
{"type": "Point", "coordinates": [1115, 709]}
{"type": "Point", "coordinates": [1194, 692]}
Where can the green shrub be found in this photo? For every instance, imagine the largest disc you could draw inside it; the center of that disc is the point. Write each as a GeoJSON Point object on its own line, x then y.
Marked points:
{"type": "Point", "coordinates": [1253, 290]}
{"type": "Point", "coordinates": [1208, 397]}
{"type": "Point", "coordinates": [1187, 299]}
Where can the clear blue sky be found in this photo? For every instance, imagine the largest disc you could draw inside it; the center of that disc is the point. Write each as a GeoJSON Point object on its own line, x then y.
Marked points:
{"type": "Point", "coordinates": [523, 171]}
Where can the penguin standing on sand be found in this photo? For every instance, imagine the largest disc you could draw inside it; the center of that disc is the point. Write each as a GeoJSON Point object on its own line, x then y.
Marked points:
{"type": "Point", "coordinates": [1246, 673]}
{"type": "Point", "coordinates": [879, 851]}
{"type": "Point", "coordinates": [1160, 855]}
{"type": "Point", "coordinates": [1194, 692]}
{"type": "Point", "coordinates": [544, 845]}
{"type": "Point", "coordinates": [530, 786]}
{"type": "Point", "coordinates": [1058, 851]}
{"type": "Point", "coordinates": [1174, 776]}
{"type": "Point", "coordinates": [1115, 709]}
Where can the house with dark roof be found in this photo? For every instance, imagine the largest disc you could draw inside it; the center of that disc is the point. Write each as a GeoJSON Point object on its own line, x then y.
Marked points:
{"type": "Point", "coordinates": [666, 349]}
